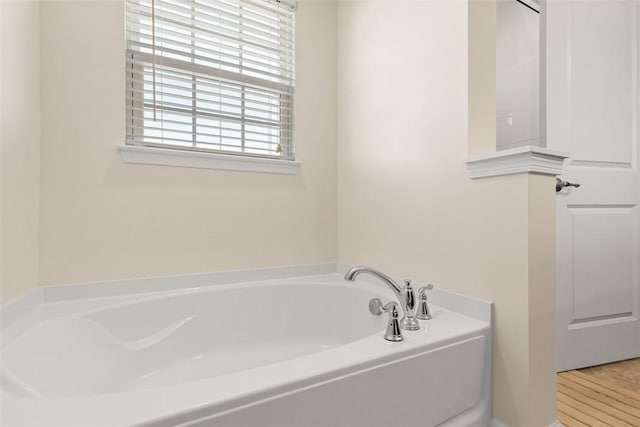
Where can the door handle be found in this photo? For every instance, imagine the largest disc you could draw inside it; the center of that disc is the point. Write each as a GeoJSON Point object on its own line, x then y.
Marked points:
{"type": "Point", "coordinates": [560, 184]}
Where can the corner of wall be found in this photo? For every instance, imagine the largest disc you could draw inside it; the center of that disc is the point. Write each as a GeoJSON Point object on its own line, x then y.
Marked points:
{"type": "Point", "coordinates": [20, 139]}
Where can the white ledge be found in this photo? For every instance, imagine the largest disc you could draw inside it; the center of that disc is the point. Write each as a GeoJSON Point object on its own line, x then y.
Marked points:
{"type": "Point", "coordinates": [527, 159]}
{"type": "Point", "coordinates": [201, 160]}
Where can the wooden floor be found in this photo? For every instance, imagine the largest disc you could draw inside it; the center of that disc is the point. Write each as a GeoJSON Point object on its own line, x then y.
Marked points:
{"type": "Point", "coordinates": [602, 396]}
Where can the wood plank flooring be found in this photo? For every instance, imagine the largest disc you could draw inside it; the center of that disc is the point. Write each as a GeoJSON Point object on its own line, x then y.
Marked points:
{"type": "Point", "coordinates": [604, 396]}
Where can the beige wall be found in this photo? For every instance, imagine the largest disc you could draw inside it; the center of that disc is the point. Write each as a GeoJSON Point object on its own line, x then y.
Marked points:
{"type": "Point", "coordinates": [103, 219]}
{"type": "Point", "coordinates": [406, 204]}
{"type": "Point", "coordinates": [482, 26]}
{"type": "Point", "coordinates": [542, 298]}
{"type": "Point", "coordinates": [20, 147]}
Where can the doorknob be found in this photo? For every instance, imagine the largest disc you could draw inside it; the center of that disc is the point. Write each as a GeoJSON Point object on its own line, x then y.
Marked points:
{"type": "Point", "coordinates": [560, 184]}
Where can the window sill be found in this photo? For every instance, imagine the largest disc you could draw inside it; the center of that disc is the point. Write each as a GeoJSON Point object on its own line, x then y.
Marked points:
{"type": "Point", "coordinates": [527, 159]}
{"type": "Point", "coordinates": [196, 159]}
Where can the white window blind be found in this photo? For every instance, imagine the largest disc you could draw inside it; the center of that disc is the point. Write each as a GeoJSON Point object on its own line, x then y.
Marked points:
{"type": "Point", "coordinates": [211, 75]}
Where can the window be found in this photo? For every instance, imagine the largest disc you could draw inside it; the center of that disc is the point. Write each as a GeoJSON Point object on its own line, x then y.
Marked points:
{"type": "Point", "coordinates": [211, 75]}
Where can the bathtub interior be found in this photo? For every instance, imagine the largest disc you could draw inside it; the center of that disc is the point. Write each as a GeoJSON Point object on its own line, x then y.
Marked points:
{"type": "Point", "coordinates": [181, 338]}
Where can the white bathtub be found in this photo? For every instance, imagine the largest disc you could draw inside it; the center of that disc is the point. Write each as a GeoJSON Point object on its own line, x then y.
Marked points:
{"type": "Point", "coordinates": [296, 351]}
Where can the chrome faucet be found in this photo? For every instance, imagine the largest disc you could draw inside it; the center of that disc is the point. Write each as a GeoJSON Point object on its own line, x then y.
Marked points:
{"type": "Point", "coordinates": [405, 295]}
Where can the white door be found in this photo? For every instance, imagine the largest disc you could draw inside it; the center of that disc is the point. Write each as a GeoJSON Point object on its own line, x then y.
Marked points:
{"type": "Point", "coordinates": [592, 95]}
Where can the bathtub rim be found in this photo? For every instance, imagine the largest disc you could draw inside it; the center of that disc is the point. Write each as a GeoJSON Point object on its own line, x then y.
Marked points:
{"type": "Point", "coordinates": [13, 310]}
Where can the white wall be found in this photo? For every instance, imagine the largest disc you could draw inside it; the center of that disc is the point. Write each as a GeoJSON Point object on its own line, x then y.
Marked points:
{"type": "Point", "coordinates": [103, 219]}
{"type": "Point", "coordinates": [20, 147]}
{"type": "Point", "coordinates": [405, 202]}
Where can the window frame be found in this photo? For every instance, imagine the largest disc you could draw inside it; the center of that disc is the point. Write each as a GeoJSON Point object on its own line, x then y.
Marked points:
{"type": "Point", "coordinates": [139, 150]}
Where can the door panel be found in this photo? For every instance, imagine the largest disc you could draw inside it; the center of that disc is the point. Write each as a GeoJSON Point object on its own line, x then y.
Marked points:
{"type": "Point", "coordinates": [602, 78]}
{"type": "Point", "coordinates": [592, 114]}
{"type": "Point", "coordinates": [601, 233]}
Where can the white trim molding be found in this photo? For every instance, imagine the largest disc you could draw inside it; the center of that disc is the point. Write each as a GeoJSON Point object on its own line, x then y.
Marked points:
{"type": "Point", "coordinates": [529, 159]}
{"type": "Point", "coordinates": [202, 160]}
{"type": "Point", "coordinates": [495, 422]}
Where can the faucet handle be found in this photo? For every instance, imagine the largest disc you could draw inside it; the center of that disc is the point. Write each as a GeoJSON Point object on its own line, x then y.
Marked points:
{"type": "Point", "coordinates": [375, 307]}
{"type": "Point", "coordinates": [423, 308]}
{"type": "Point", "coordinates": [392, 307]}
{"type": "Point", "coordinates": [393, 332]}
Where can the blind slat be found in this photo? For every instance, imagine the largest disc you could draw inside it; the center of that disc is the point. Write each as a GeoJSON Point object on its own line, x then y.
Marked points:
{"type": "Point", "coordinates": [248, 36]}
{"type": "Point", "coordinates": [224, 82]}
{"type": "Point", "coordinates": [227, 123]}
{"type": "Point", "coordinates": [226, 149]}
{"type": "Point", "coordinates": [252, 110]}
{"type": "Point", "coordinates": [185, 136]}
{"type": "Point", "coordinates": [220, 20]}
{"type": "Point", "coordinates": [169, 57]}
{"type": "Point", "coordinates": [216, 49]}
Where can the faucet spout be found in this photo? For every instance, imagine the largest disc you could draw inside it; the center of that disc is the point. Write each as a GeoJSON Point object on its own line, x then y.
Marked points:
{"type": "Point", "coordinates": [405, 295]}
{"type": "Point", "coordinates": [355, 271]}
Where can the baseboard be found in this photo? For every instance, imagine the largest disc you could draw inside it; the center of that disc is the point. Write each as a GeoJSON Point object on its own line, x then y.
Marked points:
{"type": "Point", "coordinates": [497, 423]}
